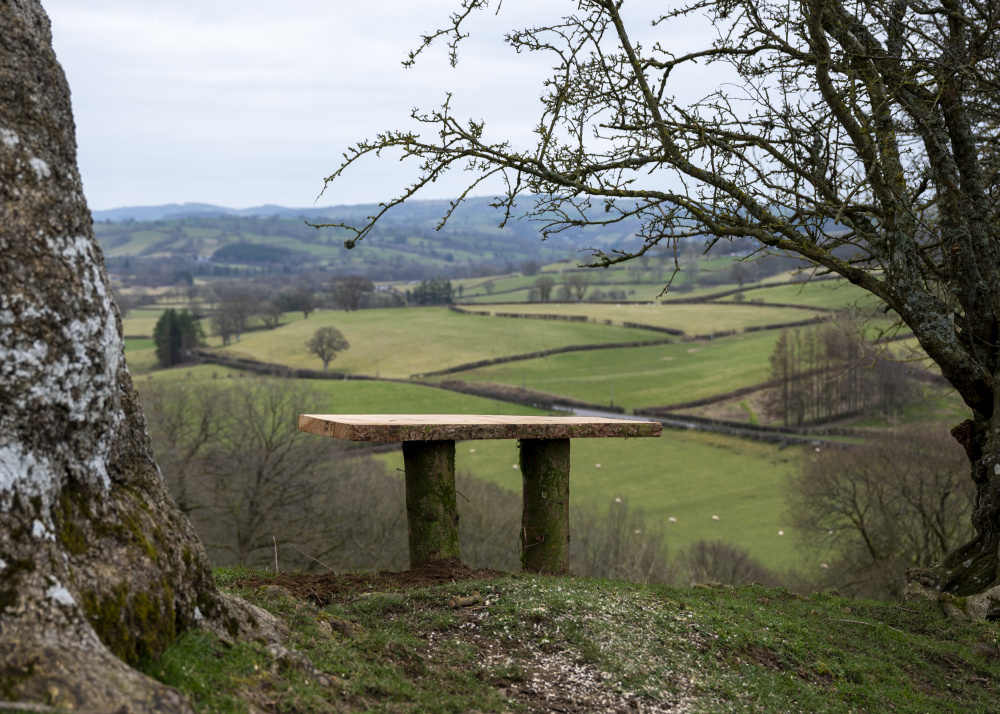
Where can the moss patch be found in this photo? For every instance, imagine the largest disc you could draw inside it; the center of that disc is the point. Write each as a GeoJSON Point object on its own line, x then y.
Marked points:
{"type": "Point", "coordinates": [11, 577]}
{"type": "Point", "coordinates": [133, 625]}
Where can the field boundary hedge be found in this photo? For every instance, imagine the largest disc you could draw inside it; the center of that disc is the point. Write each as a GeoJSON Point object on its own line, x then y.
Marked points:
{"type": "Point", "coordinates": [640, 326]}
{"type": "Point", "coordinates": [520, 395]}
{"type": "Point", "coordinates": [273, 369]}
{"type": "Point", "coordinates": [540, 353]}
{"type": "Point", "coordinates": [777, 432]}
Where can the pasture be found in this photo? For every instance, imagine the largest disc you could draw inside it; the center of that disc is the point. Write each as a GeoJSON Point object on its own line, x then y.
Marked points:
{"type": "Point", "coordinates": [398, 343]}
{"type": "Point", "coordinates": [333, 396]}
{"type": "Point", "coordinates": [641, 376]}
{"type": "Point", "coordinates": [694, 319]}
{"type": "Point", "coordinates": [686, 475]}
{"type": "Point", "coordinates": [832, 294]}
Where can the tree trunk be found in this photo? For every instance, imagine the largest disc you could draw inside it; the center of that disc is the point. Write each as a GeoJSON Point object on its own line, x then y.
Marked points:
{"type": "Point", "coordinates": [98, 568]}
{"type": "Point", "coordinates": [970, 575]}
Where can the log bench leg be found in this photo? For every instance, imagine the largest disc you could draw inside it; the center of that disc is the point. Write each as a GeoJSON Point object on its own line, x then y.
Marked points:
{"type": "Point", "coordinates": [431, 508]}
{"type": "Point", "coordinates": [545, 515]}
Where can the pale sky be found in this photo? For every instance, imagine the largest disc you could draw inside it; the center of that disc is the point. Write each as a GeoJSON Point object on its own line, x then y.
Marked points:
{"type": "Point", "coordinates": [249, 102]}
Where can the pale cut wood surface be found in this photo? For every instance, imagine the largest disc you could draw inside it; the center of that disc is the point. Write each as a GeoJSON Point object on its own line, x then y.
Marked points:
{"type": "Point", "coordinates": [438, 427]}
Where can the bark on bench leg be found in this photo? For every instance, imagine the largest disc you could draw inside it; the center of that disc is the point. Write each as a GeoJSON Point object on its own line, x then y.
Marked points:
{"type": "Point", "coordinates": [431, 508]}
{"type": "Point", "coordinates": [545, 515]}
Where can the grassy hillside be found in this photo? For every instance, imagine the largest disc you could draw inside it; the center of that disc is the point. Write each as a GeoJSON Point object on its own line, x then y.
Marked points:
{"type": "Point", "coordinates": [700, 318]}
{"type": "Point", "coordinates": [535, 643]}
{"type": "Point", "coordinates": [359, 397]}
{"type": "Point", "coordinates": [402, 342]}
{"type": "Point", "coordinates": [407, 236]}
{"type": "Point", "coordinates": [642, 376]}
{"type": "Point", "coordinates": [834, 294]}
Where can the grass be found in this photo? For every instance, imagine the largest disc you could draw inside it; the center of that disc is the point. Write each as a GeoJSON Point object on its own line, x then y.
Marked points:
{"type": "Point", "coordinates": [635, 291]}
{"type": "Point", "coordinates": [361, 397]}
{"type": "Point", "coordinates": [642, 376]}
{"type": "Point", "coordinates": [401, 342]}
{"type": "Point", "coordinates": [141, 321]}
{"type": "Point", "coordinates": [594, 645]}
{"type": "Point", "coordinates": [690, 476]}
{"type": "Point", "coordinates": [836, 294]}
{"type": "Point", "coordinates": [703, 318]}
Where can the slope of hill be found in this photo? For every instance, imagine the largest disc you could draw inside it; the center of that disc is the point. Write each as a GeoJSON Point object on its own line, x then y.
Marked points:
{"type": "Point", "coordinates": [398, 642]}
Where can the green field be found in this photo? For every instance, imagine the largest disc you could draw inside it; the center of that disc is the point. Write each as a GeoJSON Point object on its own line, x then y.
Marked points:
{"type": "Point", "coordinates": [635, 291]}
{"type": "Point", "coordinates": [141, 321]}
{"type": "Point", "coordinates": [642, 376]}
{"type": "Point", "coordinates": [835, 294]}
{"type": "Point", "coordinates": [332, 396]}
{"type": "Point", "coordinates": [689, 476]}
{"type": "Point", "coordinates": [686, 475]}
{"type": "Point", "coordinates": [699, 318]}
{"type": "Point", "coordinates": [401, 342]}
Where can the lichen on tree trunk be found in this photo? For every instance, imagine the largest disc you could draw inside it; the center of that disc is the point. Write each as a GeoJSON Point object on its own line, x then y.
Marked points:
{"type": "Point", "coordinates": [545, 512]}
{"type": "Point", "coordinates": [971, 573]}
{"type": "Point", "coordinates": [98, 568]}
{"type": "Point", "coordinates": [431, 508]}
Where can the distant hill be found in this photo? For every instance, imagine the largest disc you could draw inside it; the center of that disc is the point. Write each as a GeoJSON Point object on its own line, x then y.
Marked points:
{"type": "Point", "coordinates": [475, 214]}
{"type": "Point", "coordinates": [207, 240]}
{"type": "Point", "coordinates": [198, 210]}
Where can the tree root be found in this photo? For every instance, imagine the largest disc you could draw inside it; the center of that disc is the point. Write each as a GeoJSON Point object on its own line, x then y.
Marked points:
{"type": "Point", "coordinates": [924, 584]}
{"type": "Point", "coordinates": [83, 677]}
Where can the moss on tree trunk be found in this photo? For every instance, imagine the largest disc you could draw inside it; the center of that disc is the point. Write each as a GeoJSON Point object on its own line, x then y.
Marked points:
{"type": "Point", "coordinates": [431, 509]}
{"type": "Point", "coordinates": [98, 567]}
{"type": "Point", "coordinates": [545, 515]}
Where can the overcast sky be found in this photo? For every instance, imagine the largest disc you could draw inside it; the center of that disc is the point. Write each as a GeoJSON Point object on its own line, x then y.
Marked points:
{"type": "Point", "coordinates": [248, 102]}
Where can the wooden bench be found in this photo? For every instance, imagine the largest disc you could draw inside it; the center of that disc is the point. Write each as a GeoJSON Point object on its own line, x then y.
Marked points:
{"type": "Point", "coordinates": [429, 459]}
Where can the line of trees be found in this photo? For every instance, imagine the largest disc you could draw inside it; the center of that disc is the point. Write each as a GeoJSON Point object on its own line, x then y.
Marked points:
{"type": "Point", "coordinates": [830, 371]}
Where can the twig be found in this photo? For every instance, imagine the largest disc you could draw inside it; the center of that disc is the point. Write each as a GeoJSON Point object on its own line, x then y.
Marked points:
{"type": "Point", "coordinates": [870, 624]}
{"type": "Point", "coordinates": [313, 559]}
{"type": "Point", "coordinates": [46, 709]}
{"type": "Point", "coordinates": [275, 552]}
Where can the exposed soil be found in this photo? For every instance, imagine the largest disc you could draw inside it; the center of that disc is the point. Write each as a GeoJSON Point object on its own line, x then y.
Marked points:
{"type": "Point", "coordinates": [322, 588]}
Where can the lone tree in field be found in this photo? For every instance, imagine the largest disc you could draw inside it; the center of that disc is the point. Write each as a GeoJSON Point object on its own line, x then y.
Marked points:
{"type": "Point", "coordinates": [175, 334]}
{"type": "Point", "coordinates": [861, 136]}
{"type": "Point", "coordinates": [98, 568]}
{"type": "Point", "coordinates": [325, 343]}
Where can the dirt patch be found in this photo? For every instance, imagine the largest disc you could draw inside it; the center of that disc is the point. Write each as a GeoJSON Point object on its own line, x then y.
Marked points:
{"type": "Point", "coordinates": [766, 658]}
{"type": "Point", "coordinates": [547, 678]}
{"type": "Point", "coordinates": [323, 588]}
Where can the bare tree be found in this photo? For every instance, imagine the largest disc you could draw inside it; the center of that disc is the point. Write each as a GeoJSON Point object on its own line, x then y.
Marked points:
{"type": "Point", "coordinates": [234, 313]}
{"type": "Point", "coordinates": [544, 285]}
{"type": "Point", "coordinates": [860, 135]}
{"type": "Point", "coordinates": [349, 291]}
{"type": "Point", "coordinates": [231, 454]}
{"type": "Point", "coordinates": [577, 284]}
{"type": "Point", "coordinates": [721, 562]}
{"type": "Point", "coordinates": [619, 543]}
{"type": "Point", "coordinates": [98, 567]}
{"type": "Point", "coordinates": [326, 343]}
{"type": "Point", "coordinates": [304, 299]}
{"type": "Point", "coordinates": [271, 314]}
{"type": "Point", "coordinates": [872, 512]}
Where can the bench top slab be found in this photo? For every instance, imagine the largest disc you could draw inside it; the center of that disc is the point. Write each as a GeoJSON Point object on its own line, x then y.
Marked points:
{"type": "Point", "coordinates": [441, 427]}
